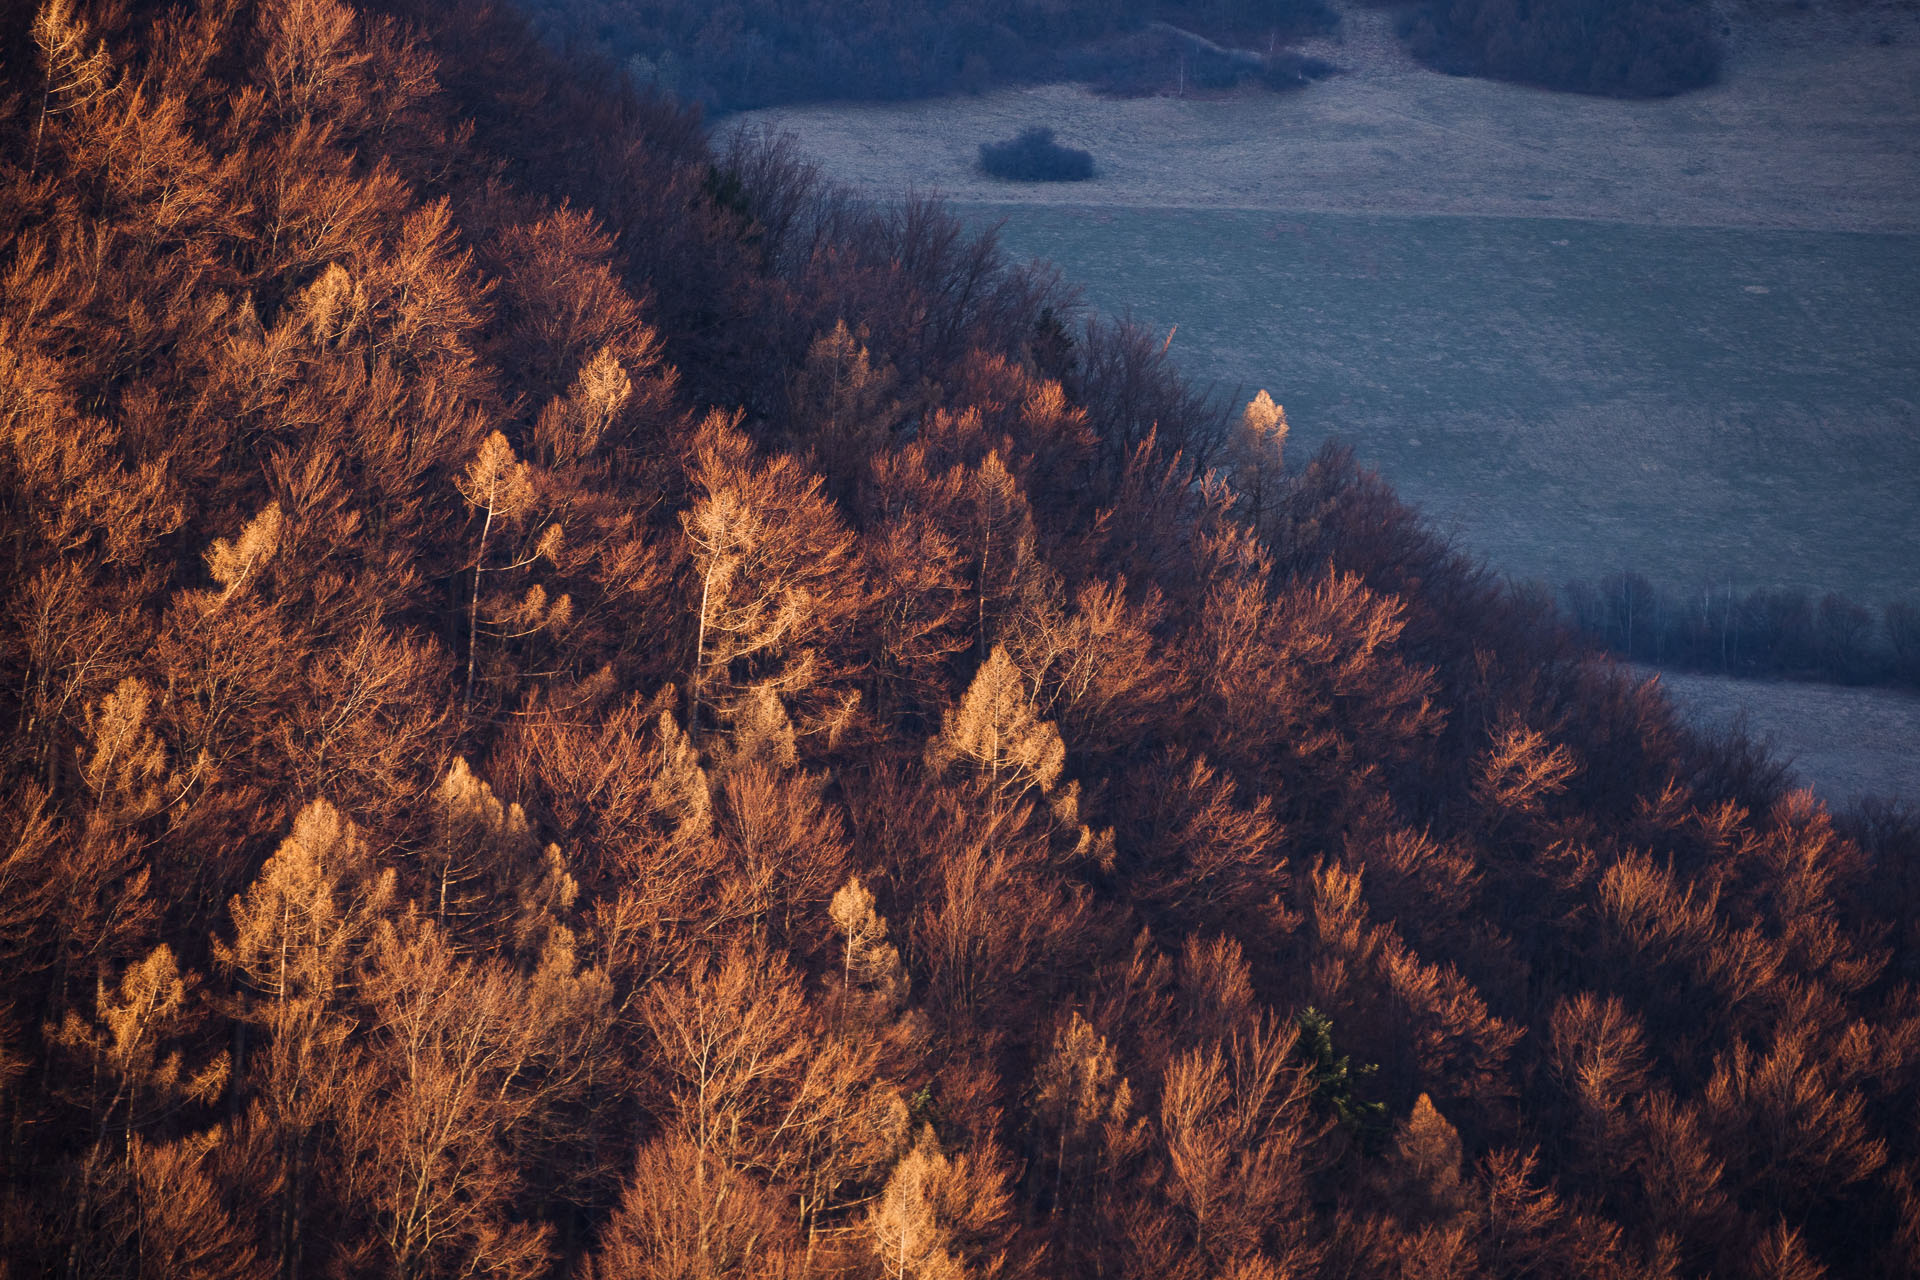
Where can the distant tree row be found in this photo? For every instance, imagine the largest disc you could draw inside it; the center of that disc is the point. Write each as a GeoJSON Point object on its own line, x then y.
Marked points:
{"type": "Point", "coordinates": [742, 54]}
{"type": "Point", "coordinates": [1620, 48]}
{"type": "Point", "coordinates": [1764, 632]}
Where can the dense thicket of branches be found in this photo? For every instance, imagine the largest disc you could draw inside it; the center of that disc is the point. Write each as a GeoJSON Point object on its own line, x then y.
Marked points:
{"type": "Point", "coordinates": [1621, 48]}
{"type": "Point", "coordinates": [582, 708]}
{"type": "Point", "coordinates": [741, 54]}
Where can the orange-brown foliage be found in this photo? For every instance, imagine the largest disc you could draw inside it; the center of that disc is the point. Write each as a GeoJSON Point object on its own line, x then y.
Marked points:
{"type": "Point", "coordinates": [581, 703]}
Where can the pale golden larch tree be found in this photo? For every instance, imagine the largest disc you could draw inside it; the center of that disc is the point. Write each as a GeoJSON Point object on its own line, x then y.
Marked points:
{"type": "Point", "coordinates": [1003, 536]}
{"type": "Point", "coordinates": [297, 934]}
{"type": "Point", "coordinates": [499, 486]}
{"type": "Point", "coordinates": [572, 427]}
{"type": "Point", "coordinates": [128, 1072]}
{"type": "Point", "coordinates": [1255, 457]}
{"type": "Point", "coordinates": [75, 76]}
{"type": "Point", "coordinates": [870, 965]}
{"type": "Point", "coordinates": [1083, 1109]}
{"type": "Point", "coordinates": [775, 584]}
{"type": "Point", "coordinates": [995, 730]}
{"type": "Point", "coordinates": [939, 1216]}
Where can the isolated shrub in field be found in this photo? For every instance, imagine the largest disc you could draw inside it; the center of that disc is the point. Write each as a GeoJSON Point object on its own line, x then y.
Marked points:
{"type": "Point", "coordinates": [1035, 157]}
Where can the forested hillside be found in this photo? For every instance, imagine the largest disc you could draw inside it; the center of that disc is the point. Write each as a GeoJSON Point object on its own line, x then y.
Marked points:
{"type": "Point", "coordinates": [581, 707]}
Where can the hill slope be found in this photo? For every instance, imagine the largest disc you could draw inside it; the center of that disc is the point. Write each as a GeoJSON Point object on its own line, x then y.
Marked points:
{"type": "Point", "coordinates": [583, 706]}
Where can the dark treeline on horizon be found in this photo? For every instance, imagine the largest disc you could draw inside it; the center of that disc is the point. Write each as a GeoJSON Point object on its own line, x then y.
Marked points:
{"type": "Point", "coordinates": [583, 707]}
{"type": "Point", "coordinates": [1766, 631]}
{"type": "Point", "coordinates": [1620, 48]}
{"type": "Point", "coordinates": [742, 54]}
{"type": "Point", "coordinates": [738, 55]}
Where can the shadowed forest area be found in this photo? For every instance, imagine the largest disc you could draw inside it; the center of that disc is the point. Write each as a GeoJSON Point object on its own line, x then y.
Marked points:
{"type": "Point", "coordinates": [1621, 48]}
{"type": "Point", "coordinates": [583, 706]}
{"type": "Point", "coordinates": [744, 54]}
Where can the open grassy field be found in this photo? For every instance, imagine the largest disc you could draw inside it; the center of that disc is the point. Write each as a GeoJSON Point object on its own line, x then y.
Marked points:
{"type": "Point", "coordinates": [1847, 744]}
{"type": "Point", "coordinates": [1569, 397]}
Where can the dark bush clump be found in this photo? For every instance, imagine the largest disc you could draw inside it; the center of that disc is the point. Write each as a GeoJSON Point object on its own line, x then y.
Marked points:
{"type": "Point", "coordinates": [1035, 157]}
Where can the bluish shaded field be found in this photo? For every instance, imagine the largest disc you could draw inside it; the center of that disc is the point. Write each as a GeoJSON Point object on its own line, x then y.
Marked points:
{"type": "Point", "coordinates": [1567, 398]}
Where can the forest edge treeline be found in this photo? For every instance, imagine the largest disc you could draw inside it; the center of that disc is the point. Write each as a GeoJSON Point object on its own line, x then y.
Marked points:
{"type": "Point", "coordinates": [1766, 631]}
{"type": "Point", "coordinates": [745, 54]}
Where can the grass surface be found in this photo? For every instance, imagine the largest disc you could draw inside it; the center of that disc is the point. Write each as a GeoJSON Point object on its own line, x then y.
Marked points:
{"type": "Point", "coordinates": [1847, 744]}
{"type": "Point", "coordinates": [1570, 398]}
